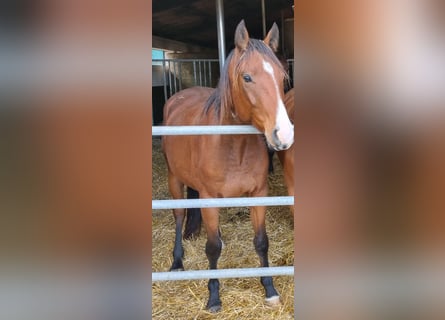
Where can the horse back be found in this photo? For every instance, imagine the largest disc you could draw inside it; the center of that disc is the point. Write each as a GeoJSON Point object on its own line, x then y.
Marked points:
{"type": "Point", "coordinates": [186, 107]}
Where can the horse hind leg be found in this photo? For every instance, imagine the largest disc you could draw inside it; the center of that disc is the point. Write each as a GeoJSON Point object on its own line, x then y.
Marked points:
{"type": "Point", "coordinates": [193, 219]}
{"type": "Point", "coordinates": [177, 192]}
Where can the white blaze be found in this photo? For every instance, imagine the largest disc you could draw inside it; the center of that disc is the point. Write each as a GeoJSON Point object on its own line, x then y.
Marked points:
{"type": "Point", "coordinates": [285, 128]}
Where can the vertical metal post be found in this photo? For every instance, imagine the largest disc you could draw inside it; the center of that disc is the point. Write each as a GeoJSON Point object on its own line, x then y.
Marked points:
{"type": "Point", "coordinates": [180, 75]}
{"type": "Point", "coordinates": [210, 74]}
{"type": "Point", "coordinates": [200, 73]}
{"type": "Point", "coordinates": [205, 74]}
{"type": "Point", "coordinates": [194, 71]}
{"type": "Point", "coordinates": [221, 38]}
{"type": "Point", "coordinates": [283, 49]}
{"type": "Point", "coordinates": [263, 11]}
{"type": "Point", "coordinates": [164, 68]}
{"type": "Point", "coordinates": [170, 77]}
{"type": "Point", "coordinates": [175, 74]}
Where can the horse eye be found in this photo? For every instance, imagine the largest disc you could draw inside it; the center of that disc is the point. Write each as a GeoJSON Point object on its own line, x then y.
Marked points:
{"type": "Point", "coordinates": [247, 78]}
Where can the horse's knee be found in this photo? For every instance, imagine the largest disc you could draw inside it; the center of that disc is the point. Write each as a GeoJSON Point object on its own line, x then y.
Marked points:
{"type": "Point", "coordinates": [261, 243]}
{"type": "Point", "coordinates": [213, 248]}
{"type": "Point", "coordinates": [179, 215]}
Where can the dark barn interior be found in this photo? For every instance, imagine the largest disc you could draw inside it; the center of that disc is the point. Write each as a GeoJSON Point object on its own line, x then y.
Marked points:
{"type": "Point", "coordinates": [188, 30]}
{"type": "Point", "coordinates": [194, 22]}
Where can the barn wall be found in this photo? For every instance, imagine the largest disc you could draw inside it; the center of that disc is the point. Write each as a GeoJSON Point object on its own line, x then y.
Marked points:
{"type": "Point", "coordinates": [180, 50]}
{"type": "Point", "coordinates": [288, 34]}
{"type": "Point", "coordinates": [178, 46]}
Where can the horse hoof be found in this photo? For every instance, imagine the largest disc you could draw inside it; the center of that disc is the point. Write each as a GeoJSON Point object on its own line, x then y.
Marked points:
{"type": "Point", "coordinates": [273, 301]}
{"type": "Point", "coordinates": [215, 309]}
{"type": "Point", "coordinates": [177, 266]}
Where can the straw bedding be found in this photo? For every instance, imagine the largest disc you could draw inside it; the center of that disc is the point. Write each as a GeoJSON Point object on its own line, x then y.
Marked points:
{"type": "Point", "coordinates": [241, 298]}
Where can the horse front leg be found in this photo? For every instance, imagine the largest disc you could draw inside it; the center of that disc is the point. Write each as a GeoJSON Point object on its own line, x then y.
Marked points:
{"type": "Point", "coordinates": [261, 243]}
{"type": "Point", "coordinates": [213, 248]}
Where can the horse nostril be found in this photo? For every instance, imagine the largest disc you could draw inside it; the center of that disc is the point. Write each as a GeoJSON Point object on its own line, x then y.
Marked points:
{"type": "Point", "coordinates": [275, 138]}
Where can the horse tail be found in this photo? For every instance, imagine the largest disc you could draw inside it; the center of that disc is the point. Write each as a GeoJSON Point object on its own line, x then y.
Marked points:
{"type": "Point", "coordinates": [270, 153]}
{"type": "Point", "coordinates": [193, 218]}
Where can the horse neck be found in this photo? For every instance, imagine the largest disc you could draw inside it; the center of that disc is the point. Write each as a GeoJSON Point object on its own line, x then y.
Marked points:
{"type": "Point", "coordinates": [231, 107]}
{"type": "Point", "coordinates": [229, 97]}
{"type": "Point", "coordinates": [240, 144]}
{"type": "Point", "coordinates": [229, 116]}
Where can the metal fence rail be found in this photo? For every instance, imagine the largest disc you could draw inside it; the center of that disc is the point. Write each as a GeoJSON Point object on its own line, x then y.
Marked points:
{"type": "Point", "coordinates": [207, 130]}
{"type": "Point", "coordinates": [222, 202]}
{"type": "Point", "coordinates": [223, 273]}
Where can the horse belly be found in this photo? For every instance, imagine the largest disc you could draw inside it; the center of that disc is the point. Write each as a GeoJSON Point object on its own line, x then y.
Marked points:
{"type": "Point", "coordinates": [247, 176]}
{"type": "Point", "coordinates": [220, 173]}
{"type": "Point", "coordinates": [180, 157]}
{"type": "Point", "coordinates": [245, 185]}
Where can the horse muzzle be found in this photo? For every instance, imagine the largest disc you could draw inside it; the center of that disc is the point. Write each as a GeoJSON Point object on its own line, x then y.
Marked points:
{"type": "Point", "coordinates": [282, 139]}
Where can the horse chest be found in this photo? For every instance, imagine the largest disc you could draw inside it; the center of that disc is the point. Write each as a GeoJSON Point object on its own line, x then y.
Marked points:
{"type": "Point", "coordinates": [234, 168]}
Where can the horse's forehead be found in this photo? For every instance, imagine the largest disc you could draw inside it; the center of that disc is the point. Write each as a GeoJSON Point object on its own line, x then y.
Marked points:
{"type": "Point", "coordinates": [262, 62]}
{"type": "Point", "coordinates": [268, 67]}
{"type": "Point", "coordinates": [251, 59]}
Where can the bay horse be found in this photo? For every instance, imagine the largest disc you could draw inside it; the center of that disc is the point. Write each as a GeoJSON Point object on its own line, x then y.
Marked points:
{"type": "Point", "coordinates": [193, 215]}
{"type": "Point", "coordinates": [193, 219]}
{"type": "Point", "coordinates": [250, 91]}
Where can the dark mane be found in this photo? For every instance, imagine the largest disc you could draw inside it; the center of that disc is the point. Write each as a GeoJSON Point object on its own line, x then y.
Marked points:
{"type": "Point", "coordinates": [222, 91]}
{"type": "Point", "coordinates": [221, 98]}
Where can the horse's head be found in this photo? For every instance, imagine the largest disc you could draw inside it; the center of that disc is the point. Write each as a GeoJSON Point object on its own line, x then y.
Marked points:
{"type": "Point", "coordinates": [257, 78]}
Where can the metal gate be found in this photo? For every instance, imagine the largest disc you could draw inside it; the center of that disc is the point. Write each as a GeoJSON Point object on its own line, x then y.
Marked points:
{"type": "Point", "coordinates": [178, 74]}
{"type": "Point", "coordinates": [218, 202]}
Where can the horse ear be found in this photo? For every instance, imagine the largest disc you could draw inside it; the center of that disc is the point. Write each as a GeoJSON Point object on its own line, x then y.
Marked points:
{"type": "Point", "coordinates": [272, 38]}
{"type": "Point", "coordinates": [241, 36]}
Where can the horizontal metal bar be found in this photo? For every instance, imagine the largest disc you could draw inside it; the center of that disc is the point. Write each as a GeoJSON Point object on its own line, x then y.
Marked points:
{"type": "Point", "coordinates": [222, 273]}
{"type": "Point", "coordinates": [192, 130]}
{"type": "Point", "coordinates": [185, 60]}
{"type": "Point", "coordinates": [222, 202]}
